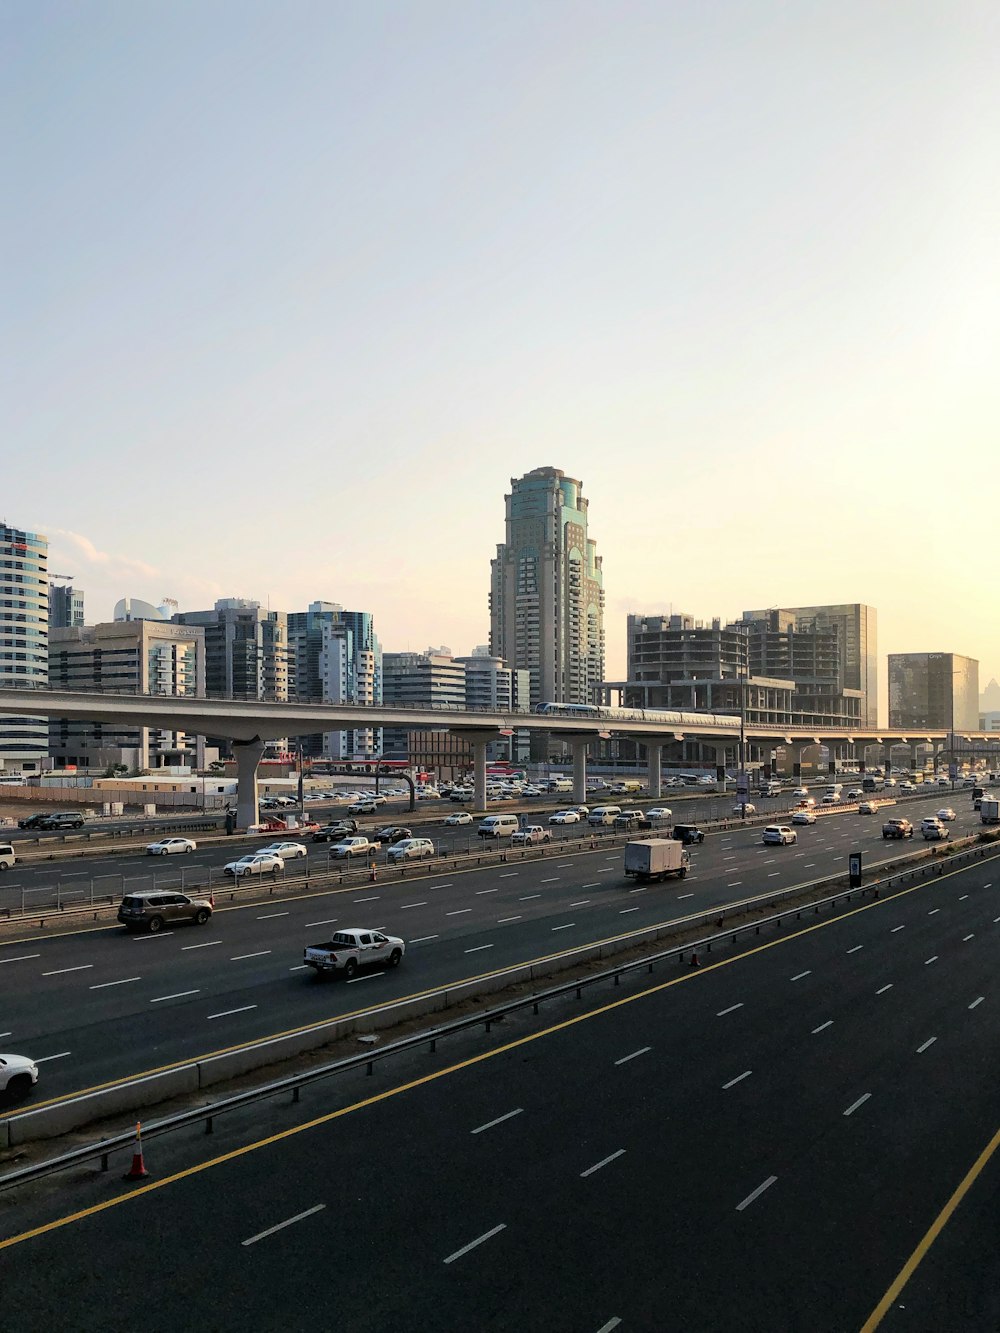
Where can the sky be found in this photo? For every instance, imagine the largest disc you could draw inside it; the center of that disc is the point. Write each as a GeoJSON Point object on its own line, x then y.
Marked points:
{"type": "Point", "coordinates": [292, 291]}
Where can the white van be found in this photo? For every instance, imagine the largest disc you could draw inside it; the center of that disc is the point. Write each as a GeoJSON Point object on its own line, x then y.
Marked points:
{"type": "Point", "coordinates": [7, 858]}
{"type": "Point", "coordinates": [604, 814]}
{"type": "Point", "coordinates": [497, 826]}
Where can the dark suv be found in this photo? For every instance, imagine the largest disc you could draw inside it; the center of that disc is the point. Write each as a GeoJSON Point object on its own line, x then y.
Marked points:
{"type": "Point", "coordinates": [32, 821]}
{"type": "Point", "coordinates": [688, 833]}
{"type": "Point", "coordinates": [153, 910]}
{"type": "Point", "coordinates": [62, 819]}
{"type": "Point", "coordinates": [344, 828]}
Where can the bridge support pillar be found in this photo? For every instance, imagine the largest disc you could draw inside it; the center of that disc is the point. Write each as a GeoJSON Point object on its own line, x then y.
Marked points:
{"type": "Point", "coordinates": [720, 763]}
{"type": "Point", "coordinates": [860, 752]}
{"type": "Point", "coordinates": [793, 756]}
{"type": "Point", "coordinates": [579, 747]}
{"type": "Point", "coordinates": [654, 762]}
{"type": "Point", "coordinates": [913, 758]}
{"type": "Point", "coordinates": [248, 755]}
{"type": "Point", "coordinates": [479, 744]}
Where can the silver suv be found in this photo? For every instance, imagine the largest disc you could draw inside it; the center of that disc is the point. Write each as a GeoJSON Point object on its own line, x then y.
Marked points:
{"type": "Point", "coordinates": [411, 849]}
{"type": "Point", "coordinates": [152, 910]}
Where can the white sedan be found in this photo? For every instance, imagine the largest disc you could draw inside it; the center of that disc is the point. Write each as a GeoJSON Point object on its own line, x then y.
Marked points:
{"type": "Point", "coordinates": [565, 817]}
{"type": "Point", "coordinates": [659, 812]}
{"type": "Point", "coordinates": [947, 813]}
{"type": "Point", "coordinates": [748, 806]}
{"type": "Point", "coordinates": [167, 845]}
{"type": "Point", "coordinates": [804, 817]}
{"type": "Point", "coordinates": [18, 1074]}
{"type": "Point", "coordinates": [257, 863]}
{"type": "Point", "coordinates": [459, 817]}
{"type": "Point", "coordinates": [288, 851]}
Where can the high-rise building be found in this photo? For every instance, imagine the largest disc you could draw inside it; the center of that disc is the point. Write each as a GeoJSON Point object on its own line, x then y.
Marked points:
{"type": "Point", "coordinates": [419, 681]}
{"type": "Point", "coordinates": [939, 690]}
{"type": "Point", "coordinates": [135, 656]}
{"type": "Point", "coordinates": [65, 606]}
{"type": "Point", "coordinates": [350, 672]}
{"type": "Point", "coordinates": [857, 626]}
{"type": "Point", "coordinates": [24, 651]}
{"type": "Point", "coordinates": [493, 687]}
{"type": "Point", "coordinates": [547, 590]}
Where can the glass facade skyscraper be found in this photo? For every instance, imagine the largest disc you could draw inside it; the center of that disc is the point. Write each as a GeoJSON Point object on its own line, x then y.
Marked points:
{"type": "Point", "coordinates": [24, 642]}
{"type": "Point", "coordinates": [939, 690]}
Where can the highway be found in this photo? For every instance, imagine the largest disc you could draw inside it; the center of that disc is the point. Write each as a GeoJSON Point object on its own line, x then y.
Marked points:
{"type": "Point", "coordinates": [759, 1144]}
{"type": "Point", "coordinates": [97, 1004]}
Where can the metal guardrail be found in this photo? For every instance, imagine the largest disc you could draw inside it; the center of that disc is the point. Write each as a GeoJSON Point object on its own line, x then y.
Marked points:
{"type": "Point", "coordinates": [294, 1083]}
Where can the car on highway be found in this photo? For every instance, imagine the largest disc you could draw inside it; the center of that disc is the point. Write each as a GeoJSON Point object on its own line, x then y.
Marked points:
{"type": "Point", "coordinates": [855, 794]}
{"type": "Point", "coordinates": [527, 837]}
{"type": "Point", "coordinates": [659, 813]}
{"type": "Point", "coordinates": [334, 832]}
{"type": "Point", "coordinates": [350, 949]}
{"type": "Point", "coordinates": [778, 835]}
{"type": "Point", "coordinates": [747, 806]}
{"type": "Point", "coordinates": [18, 1075]}
{"type": "Point", "coordinates": [460, 817]}
{"type": "Point", "coordinates": [167, 846]}
{"type": "Point", "coordinates": [152, 909]}
{"type": "Point", "coordinates": [932, 830]}
{"type": "Point", "coordinates": [905, 785]}
{"type": "Point", "coordinates": [801, 791]}
{"type": "Point", "coordinates": [804, 817]}
{"type": "Point", "coordinates": [565, 817]}
{"type": "Point", "coordinates": [629, 819]}
{"type": "Point", "coordinates": [868, 808]}
{"type": "Point", "coordinates": [944, 782]}
{"type": "Point", "coordinates": [946, 814]}
{"type": "Point", "coordinates": [807, 803]}
{"type": "Point", "coordinates": [897, 828]}
{"type": "Point", "coordinates": [392, 833]}
{"type": "Point", "coordinates": [688, 834]}
{"type": "Point", "coordinates": [288, 851]}
{"type": "Point", "coordinates": [889, 782]}
{"type": "Point", "coordinates": [410, 849]}
{"type": "Point", "coordinates": [33, 821]}
{"type": "Point", "coordinates": [348, 848]}
{"type": "Point", "coordinates": [254, 863]}
{"type": "Point", "coordinates": [62, 819]}
{"type": "Point", "coordinates": [8, 858]}
{"type": "Point", "coordinates": [831, 798]}
{"type": "Point", "coordinates": [361, 808]}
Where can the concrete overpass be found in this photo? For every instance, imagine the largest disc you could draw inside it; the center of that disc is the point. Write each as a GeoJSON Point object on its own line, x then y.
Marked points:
{"type": "Point", "coordinates": [249, 723]}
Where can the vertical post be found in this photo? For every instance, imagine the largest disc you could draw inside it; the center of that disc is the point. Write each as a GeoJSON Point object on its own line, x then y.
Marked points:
{"type": "Point", "coordinates": [743, 779]}
{"type": "Point", "coordinates": [479, 744]}
{"type": "Point", "coordinates": [579, 747]}
{"type": "Point", "coordinates": [248, 754]}
{"type": "Point", "coordinates": [654, 763]}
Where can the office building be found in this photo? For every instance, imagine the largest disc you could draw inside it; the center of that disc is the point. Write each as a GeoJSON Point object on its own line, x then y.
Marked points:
{"type": "Point", "coordinates": [131, 657]}
{"type": "Point", "coordinates": [493, 687]}
{"type": "Point", "coordinates": [857, 628]}
{"type": "Point", "coordinates": [350, 672]}
{"type": "Point", "coordinates": [418, 680]}
{"type": "Point", "coordinates": [939, 690]}
{"type": "Point", "coordinates": [24, 653]}
{"type": "Point", "coordinates": [65, 606]}
{"type": "Point", "coordinates": [547, 592]}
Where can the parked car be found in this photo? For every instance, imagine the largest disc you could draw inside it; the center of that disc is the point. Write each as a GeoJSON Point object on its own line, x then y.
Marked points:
{"type": "Point", "coordinates": [460, 817]}
{"type": "Point", "coordinates": [410, 849]}
{"type": "Point", "coordinates": [778, 834]}
{"type": "Point", "coordinates": [946, 814]}
{"type": "Point", "coordinates": [288, 851]}
{"type": "Point", "coordinates": [393, 833]}
{"type": "Point", "coordinates": [688, 834]}
{"type": "Point", "coordinates": [255, 863]}
{"type": "Point", "coordinates": [167, 846]}
{"type": "Point", "coordinates": [804, 817]}
{"type": "Point", "coordinates": [565, 817]}
{"type": "Point", "coordinates": [527, 837]}
{"type": "Point", "coordinates": [153, 909]}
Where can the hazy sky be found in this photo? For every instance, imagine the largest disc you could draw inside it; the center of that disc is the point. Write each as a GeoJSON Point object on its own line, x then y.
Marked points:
{"type": "Point", "coordinates": [292, 290]}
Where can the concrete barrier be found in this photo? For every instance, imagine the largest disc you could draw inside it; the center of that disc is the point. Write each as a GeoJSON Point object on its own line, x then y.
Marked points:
{"type": "Point", "coordinates": [48, 1122]}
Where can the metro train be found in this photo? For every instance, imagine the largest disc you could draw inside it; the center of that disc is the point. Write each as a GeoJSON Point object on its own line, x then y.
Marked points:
{"type": "Point", "coordinates": [669, 717]}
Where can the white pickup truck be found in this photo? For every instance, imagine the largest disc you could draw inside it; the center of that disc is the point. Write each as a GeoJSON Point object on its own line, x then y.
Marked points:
{"type": "Point", "coordinates": [350, 949]}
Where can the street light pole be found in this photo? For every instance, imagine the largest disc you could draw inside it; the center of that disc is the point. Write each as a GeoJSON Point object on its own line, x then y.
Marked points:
{"type": "Point", "coordinates": [743, 780]}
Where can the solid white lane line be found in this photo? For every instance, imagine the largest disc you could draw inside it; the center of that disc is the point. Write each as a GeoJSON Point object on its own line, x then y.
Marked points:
{"type": "Point", "coordinates": [40, 1060]}
{"type": "Point", "coordinates": [488, 1235]}
{"type": "Point", "coordinates": [568, 926]}
{"type": "Point", "coordinates": [480, 892]}
{"type": "Point", "coordinates": [479, 948]}
{"type": "Point", "coordinates": [932, 959]}
{"type": "Point", "coordinates": [967, 938]}
{"type": "Point", "coordinates": [860, 1102]}
{"type": "Point", "coordinates": [799, 975]}
{"type": "Point", "coordinates": [423, 939]}
{"type": "Point", "coordinates": [895, 928]}
{"type": "Point", "coordinates": [226, 1012]}
{"type": "Point", "coordinates": [731, 1010]}
{"type": "Point", "coordinates": [238, 958]}
{"type": "Point", "coordinates": [498, 1121]}
{"type": "Point", "coordinates": [262, 1235]}
{"type": "Point", "coordinates": [179, 995]}
{"type": "Point", "coordinates": [461, 911]}
{"type": "Point", "coordinates": [20, 958]}
{"type": "Point", "coordinates": [856, 948]}
{"type": "Point", "coordinates": [105, 984]}
{"type": "Point", "coordinates": [209, 944]}
{"type": "Point", "coordinates": [271, 916]}
{"type": "Point", "coordinates": [738, 1079]}
{"type": "Point", "coordinates": [406, 906]}
{"type": "Point", "coordinates": [502, 919]}
{"type": "Point", "coordinates": [83, 967]}
{"type": "Point", "coordinates": [929, 1042]}
{"type": "Point", "coordinates": [971, 1006]}
{"type": "Point", "coordinates": [626, 1058]}
{"type": "Point", "coordinates": [330, 920]}
{"type": "Point", "coordinates": [756, 1194]}
{"type": "Point", "coordinates": [884, 989]}
{"type": "Point", "coordinates": [822, 1026]}
{"type": "Point", "coordinates": [604, 1162]}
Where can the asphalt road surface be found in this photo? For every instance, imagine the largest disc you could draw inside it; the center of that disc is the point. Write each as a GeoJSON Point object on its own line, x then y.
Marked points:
{"type": "Point", "coordinates": [763, 1144]}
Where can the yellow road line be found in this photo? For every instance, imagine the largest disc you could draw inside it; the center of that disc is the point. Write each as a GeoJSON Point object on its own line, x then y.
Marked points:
{"type": "Point", "coordinates": [938, 1225]}
{"type": "Point", "coordinates": [433, 1077]}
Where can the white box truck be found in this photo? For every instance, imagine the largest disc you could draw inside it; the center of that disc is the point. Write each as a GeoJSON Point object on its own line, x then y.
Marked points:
{"type": "Point", "coordinates": [655, 858]}
{"type": "Point", "coordinates": [989, 810]}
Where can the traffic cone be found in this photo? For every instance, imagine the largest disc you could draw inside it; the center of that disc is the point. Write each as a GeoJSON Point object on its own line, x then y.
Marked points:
{"type": "Point", "coordinates": [137, 1171]}
{"type": "Point", "coordinates": [694, 959]}
{"type": "Point", "coordinates": [211, 899]}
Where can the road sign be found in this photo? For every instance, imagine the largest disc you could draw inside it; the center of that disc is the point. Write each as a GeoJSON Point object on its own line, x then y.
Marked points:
{"type": "Point", "coordinates": [854, 865]}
